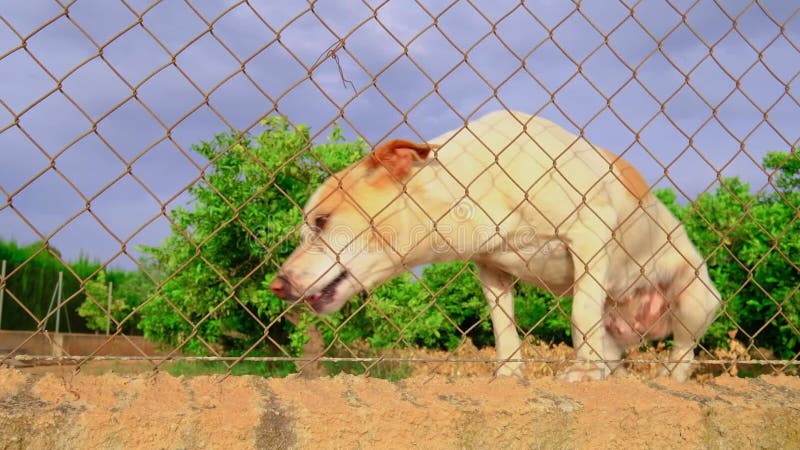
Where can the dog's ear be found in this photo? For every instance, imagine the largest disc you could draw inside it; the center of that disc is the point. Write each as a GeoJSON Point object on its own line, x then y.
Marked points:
{"type": "Point", "coordinates": [398, 155]}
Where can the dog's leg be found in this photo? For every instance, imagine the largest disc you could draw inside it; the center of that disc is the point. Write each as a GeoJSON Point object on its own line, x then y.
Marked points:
{"type": "Point", "coordinates": [497, 287]}
{"type": "Point", "coordinates": [599, 353]}
{"type": "Point", "coordinates": [694, 311]}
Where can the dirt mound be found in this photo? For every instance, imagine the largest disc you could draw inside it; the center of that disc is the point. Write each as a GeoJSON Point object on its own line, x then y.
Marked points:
{"type": "Point", "coordinates": [160, 411]}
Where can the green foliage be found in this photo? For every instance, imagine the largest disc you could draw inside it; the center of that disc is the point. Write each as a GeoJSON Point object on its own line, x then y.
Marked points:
{"type": "Point", "coordinates": [98, 317]}
{"type": "Point", "coordinates": [436, 312]}
{"type": "Point", "coordinates": [786, 167]}
{"type": "Point", "coordinates": [216, 265]}
{"type": "Point", "coordinates": [540, 314]}
{"type": "Point", "coordinates": [128, 289]}
{"type": "Point", "coordinates": [33, 276]}
{"type": "Point", "coordinates": [33, 284]}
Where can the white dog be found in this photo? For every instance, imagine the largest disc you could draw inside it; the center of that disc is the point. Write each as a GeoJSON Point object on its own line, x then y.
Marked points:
{"type": "Point", "coordinates": [523, 199]}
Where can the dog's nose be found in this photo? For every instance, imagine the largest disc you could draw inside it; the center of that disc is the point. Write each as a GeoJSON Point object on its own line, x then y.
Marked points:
{"type": "Point", "coordinates": [280, 286]}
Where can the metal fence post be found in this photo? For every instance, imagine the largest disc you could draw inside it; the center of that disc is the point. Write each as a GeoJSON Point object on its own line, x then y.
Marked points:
{"type": "Point", "coordinates": [2, 289]}
{"type": "Point", "coordinates": [108, 318]}
{"type": "Point", "coordinates": [58, 301]}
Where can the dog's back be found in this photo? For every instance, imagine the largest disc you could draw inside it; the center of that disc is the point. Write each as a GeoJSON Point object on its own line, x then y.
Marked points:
{"type": "Point", "coordinates": [528, 165]}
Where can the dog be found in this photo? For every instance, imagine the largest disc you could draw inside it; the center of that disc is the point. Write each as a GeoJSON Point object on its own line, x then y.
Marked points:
{"type": "Point", "coordinates": [525, 200]}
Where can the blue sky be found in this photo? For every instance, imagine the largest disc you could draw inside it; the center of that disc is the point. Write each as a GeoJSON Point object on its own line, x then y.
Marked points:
{"type": "Point", "coordinates": [419, 70]}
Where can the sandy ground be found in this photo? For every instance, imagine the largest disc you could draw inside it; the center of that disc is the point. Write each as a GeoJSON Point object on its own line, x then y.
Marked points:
{"type": "Point", "coordinates": [111, 411]}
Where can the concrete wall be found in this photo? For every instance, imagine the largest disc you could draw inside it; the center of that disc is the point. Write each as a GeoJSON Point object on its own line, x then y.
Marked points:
{"type": "Point", "coordinates": [74, 344]}
{"type": "Point", "coordinates": [66, 411]}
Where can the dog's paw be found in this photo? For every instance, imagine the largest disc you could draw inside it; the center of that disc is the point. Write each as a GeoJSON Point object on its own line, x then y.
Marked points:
{"type": "Point", "coordinates": [622, 372]}
{"type": "Point", "coordinates": [679, 372]}
{"type": "Point", "coordinates": [510, 370]}
{"type": "Point", "coordinates": [584, 371]}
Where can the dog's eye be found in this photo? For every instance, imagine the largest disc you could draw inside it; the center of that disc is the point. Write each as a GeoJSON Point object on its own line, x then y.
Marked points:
{"type": "Point", "coordinates": [320, 221]}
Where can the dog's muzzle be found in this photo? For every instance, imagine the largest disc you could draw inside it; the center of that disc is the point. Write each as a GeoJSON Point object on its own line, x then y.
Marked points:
{"type": "Point", "coordinates": [282, 289]}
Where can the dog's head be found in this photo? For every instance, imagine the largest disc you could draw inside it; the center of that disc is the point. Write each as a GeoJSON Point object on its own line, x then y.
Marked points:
{"type": "Point", "coordinates": [349, 239]}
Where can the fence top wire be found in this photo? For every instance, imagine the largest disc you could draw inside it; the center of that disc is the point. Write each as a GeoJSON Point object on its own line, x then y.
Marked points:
{"type": "Point", "coordinates": [98, 119]}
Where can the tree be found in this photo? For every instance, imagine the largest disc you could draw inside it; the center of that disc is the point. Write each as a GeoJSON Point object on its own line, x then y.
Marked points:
{"type": "Point", "coordinates": [215, 267]}
{"type": "Point", "coordinates": [33, 273]}
{"type": "Point", "coordinates": [95, 308]}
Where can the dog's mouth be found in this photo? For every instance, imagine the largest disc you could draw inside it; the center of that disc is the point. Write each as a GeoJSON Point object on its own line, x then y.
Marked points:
{"type": "Point", "coordinates": [327, 293]}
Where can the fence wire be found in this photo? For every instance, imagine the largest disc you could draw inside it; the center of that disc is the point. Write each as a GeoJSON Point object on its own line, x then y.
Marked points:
{"type": "Point", "coordinates": [103, 103]}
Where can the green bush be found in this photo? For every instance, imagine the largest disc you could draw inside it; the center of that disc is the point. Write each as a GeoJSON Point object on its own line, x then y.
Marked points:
{"type": "Point", "coordinates": [216, 264]}
{"type": "Point", "coordinates": [402, 312]}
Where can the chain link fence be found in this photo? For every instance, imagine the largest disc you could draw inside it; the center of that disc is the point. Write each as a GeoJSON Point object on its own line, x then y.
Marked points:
{"type": "Point", "coordinates": [158, 156]}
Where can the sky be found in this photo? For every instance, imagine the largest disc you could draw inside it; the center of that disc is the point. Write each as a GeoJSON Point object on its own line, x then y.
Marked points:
{"type": "Point", "coordinates": [101, 101]}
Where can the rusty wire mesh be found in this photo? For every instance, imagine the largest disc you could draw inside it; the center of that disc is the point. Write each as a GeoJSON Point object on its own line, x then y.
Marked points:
{"type": "Point", "coordinates": [346, 63]}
